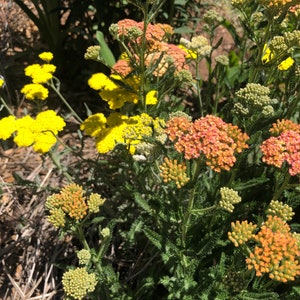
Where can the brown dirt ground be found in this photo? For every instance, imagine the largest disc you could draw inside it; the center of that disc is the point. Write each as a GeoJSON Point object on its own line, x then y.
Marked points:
{"type": "Point", "coordinates": [29, 246]}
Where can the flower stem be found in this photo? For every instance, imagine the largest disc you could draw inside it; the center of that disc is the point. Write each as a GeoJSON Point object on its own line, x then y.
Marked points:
{"type": "Point", "coordinates": [65, 102]}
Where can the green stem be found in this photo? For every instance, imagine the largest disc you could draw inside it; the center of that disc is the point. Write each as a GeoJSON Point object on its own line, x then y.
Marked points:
{"type": "Point", "coordinates": [188, 213]}
{"type": "Point", "coordinates": [198, 86]}
{"type": "Point", "coordinates": [81, 237]}
{"type": "Point", "coordinates": [279, 191]}
{"type": "Point", "coordinates": [65, 102]}
{"type": "Point", "coordinates": [6, 106]}
{"type": "Point", "coordinates": [292, 108]}
{"type": "Point", "coordinates": [142, 59]}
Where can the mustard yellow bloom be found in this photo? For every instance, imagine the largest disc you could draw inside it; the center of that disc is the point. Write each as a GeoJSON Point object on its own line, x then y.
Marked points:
{"type": "Point", "coordinates": [2, 81]}
{"type": "Point", "coordinates": [35, 91]}
{"type": "Point", "coordinates": [7, 127]}
{"type": "Point", "coordinates": [40, 73]}
{"type": "Point", "coordinates": [40, 132]}
{"type": "Point", "coordinates": [151, 98]}
{"type": "Point", "coordinates": [268, 56]}
{"type": "Point", "coordinates": [190, 54]}
{"type": "Point", "coordinates": [25, 131]}
{"type": "Point", "coordinates": [99, 80]}
{"type": "Point", "coordinates": [286, 64]}
{"type": "Point", "coordinates": [94, 124]}
{"type": "Point", "coordinates": [120, 129]}
{"type": "Point", "coordinates": [46, 56]}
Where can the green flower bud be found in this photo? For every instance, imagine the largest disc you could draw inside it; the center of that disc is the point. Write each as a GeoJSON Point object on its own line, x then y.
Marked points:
{"type": "Point", "coordinates": [94, 202]}
{"type": "Point", "coordinates": [92, 53]}
{"type": "Point", "coordinates": [105, 232]}
{"type": "Point", "coordinates": [281, 210]}
{"type": "Point", "coordinates": [229, 197]}
{"type": "Point", "coordinates": [57, 217]}
{"type": "Point", "coordinates": [84, 257]}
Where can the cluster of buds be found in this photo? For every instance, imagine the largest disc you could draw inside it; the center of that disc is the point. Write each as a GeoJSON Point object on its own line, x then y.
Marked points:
{"type": "Point", "coordinates": [241, 232]}
{"type": "Point", "coordinates": [229, 197]}
{"type": "Point", "coordinates": [71, 204]}
{"type": "Point", "coordinates": [253, 98]}
{"type": "Point", "coordinates": [197, 48]}
{"type": "Point", "coordinates": [171, 170]}
{"type": "Point", "coordinates": [78, 283]}
{"type": "Point", "coordinates": [276, 252]}
{"type": "Point", "coordinates": [281, 210]}
{"type": "Point", "coordinates": [84, 257]}
{"type": "Point", "coordinates": [234, 281]}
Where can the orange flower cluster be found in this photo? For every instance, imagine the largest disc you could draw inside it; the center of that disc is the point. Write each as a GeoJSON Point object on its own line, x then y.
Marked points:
{"type": "Point", "coordinates": [171, 170]}
{"type": "Point", "coordinates": [72, 201]}
{"type": "Point", "coordinates": [283, 148]}
{"type": "Point", "coordinates": [277, 251]}
{"type": "Point", "coordinates": [159, 53]}
{"type": "Point", "coordinates": [277, 3]}
{"type": "Point", "coordinates": [217, 140]}
{"type": "Point", "coordinates": [284, 125]}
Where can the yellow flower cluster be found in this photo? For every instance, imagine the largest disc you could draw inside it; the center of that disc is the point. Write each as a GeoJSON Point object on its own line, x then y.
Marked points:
{"type": "Point", "coordinates": [268, 56]}
{"type": "Point", "coordinates": [198, 47]}
{"type": "Point", "coordinates": [281, 210]}
{"type": "Point", "coordinates": [171, 170]}
{"type": "Point", "coordinates": [115, 90]}
{"type": "Point", "coordinates": [72, 203]}
{"type": "Point", "coordinates": [120, 129]}
{"type": "Point", "coordinates": [78, 283]}
{"type": "Point", "coordinates": [84, 257]}
{"type": "Point", "coordinates": [229, 197]}
{"type": "Point", "coordinates": [94, 202]}
{"type": "Point", "coordinates": [40, 74]}
{"type": "Point", "coordinates": [241, 232]}
{"type": "Point", "coordinates": [35, 91]}
{"type": "Point", "coordinates": [2, 82]}
{"type": "Point", "coordinates": [39, 133]}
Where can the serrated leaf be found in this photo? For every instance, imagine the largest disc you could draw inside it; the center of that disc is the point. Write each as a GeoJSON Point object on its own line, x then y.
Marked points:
{"type": "Point", "coordinates": [142, 203]}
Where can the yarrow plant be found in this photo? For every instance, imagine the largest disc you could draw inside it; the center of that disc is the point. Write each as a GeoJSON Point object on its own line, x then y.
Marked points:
{"type": "Point", "coordinates": [197, 166]}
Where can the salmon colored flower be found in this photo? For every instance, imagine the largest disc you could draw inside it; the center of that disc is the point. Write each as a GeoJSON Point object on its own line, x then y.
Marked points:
{"type": "Point", "coordinates": [283, 148]}
{"type": "Point", "coordinates": [209, 136]}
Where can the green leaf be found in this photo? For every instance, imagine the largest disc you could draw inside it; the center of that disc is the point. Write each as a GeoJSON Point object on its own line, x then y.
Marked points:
{"type": "Point", "coordinates": [105, 52]}
{"type": "Point", "coordinates": [160, 242]}
{"type": "Point", "coordinates": [142, 203]}
{"type": "Point", "coordinates": [251, 183]}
